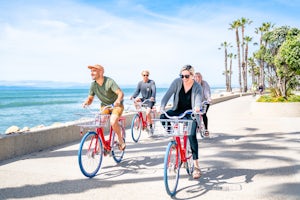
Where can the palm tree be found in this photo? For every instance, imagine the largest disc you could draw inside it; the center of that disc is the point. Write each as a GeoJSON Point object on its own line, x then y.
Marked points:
{"type": "Point", "coordinates": [226, 45]}
{"type": "Point", "coordinates": [252, 64]}
{"type": "Point", "coordinates": [265, 27]}
{"type": "Point", "coordinates": [244, 66]}
{"type": "Point", "coordinates": [243, 22]}
{"type": "Point", "coordinates": [230, 56]}
{"type": "Point", "coordinates": [235, 25]}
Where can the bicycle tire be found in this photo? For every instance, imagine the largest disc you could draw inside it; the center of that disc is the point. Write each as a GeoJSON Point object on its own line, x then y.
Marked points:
{"type": "Point", "coordinates": [116, 152]}
{"type": "Point", "coordinates": [90, 154]}
{"type": "Point", "coordinates": [171, 168]}
{"type": "Point", "coordinates": [136, 127]}
{"type": "Point", "coordinates": [189, 158]}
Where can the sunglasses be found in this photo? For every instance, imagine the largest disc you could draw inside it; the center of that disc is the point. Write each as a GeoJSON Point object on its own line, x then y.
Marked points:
{"type": "Point", "coordinates": [184, 76]}
{"type": "Point", "coordinates": [145, 75]}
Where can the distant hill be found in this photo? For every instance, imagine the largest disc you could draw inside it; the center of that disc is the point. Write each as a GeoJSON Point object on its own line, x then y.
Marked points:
{"type": "Point", "coordinates": [40, 84]}
{"type": "Point", "coordinates": [31, 84]}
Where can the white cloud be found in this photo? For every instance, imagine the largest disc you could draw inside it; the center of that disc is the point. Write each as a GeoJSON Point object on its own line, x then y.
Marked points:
{"type": "Point", "coordinates": [56, 42]}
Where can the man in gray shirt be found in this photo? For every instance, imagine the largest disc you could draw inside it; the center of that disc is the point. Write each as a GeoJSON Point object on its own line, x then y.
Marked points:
{"type": "Point", "coordinates": [147, 89]}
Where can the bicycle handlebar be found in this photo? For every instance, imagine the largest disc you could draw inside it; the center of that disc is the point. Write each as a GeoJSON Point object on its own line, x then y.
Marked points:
{"type": "Point", "coordinates": [142, 102]}
{"type": "Point", "coordinates": [107, 107]}
{"type": "Point", "coordinates": [190, 111]}
{"type": "Point", "coordinates": [204, 103]}
{"type": "Point", "coordinates": [101, 110]}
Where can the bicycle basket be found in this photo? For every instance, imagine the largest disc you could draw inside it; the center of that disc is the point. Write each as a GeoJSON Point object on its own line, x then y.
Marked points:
{"type": "Point", "coordinates": [94, 120]}
{"type": "Point", "coordinates": [171, 127]}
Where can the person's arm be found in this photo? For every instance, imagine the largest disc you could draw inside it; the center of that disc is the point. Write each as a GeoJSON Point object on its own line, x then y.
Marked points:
{"type": "Point", "coordinates": [169, 93]}
{"type": "Point", "coordinates": [198, 98]}
{"type": "Point", "coordinates": [208, 93]}
{"type": "Point", "coordinates": [137, 91]}
{"type": "Point", "coordinates": [153, 89]}
{"type": "Point", "coordinates": [120, 94]}
{"type": "Point", "coordinates": [88, 101]}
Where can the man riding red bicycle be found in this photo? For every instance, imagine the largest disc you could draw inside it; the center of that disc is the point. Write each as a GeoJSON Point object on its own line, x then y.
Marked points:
{"type": "Point", "coordinates": [107, 90]}
{"type": "Point", "coordinates": [148, 90]}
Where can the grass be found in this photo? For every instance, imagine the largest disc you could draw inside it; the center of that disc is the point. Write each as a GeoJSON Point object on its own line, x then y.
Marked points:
{"type": "Point", "coordinates": [269, 98]}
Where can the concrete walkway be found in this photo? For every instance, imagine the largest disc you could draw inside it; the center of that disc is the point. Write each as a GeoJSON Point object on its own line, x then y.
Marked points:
{"type": "Point", "coordinates": [247, 157]}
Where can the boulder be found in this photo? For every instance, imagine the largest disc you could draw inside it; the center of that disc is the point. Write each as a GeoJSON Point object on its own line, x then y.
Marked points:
{"type": "Point", "coordinates": [25, 129]}
{"type": "Point", "coordinates": [12, 129]}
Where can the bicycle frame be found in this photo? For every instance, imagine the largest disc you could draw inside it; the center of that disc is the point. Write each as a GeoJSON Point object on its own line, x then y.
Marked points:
{"type": "Point", "coordinates": [94, 146]}
{"type": "Point", "coordinates": [107, 143]}
{"type": "Point", "coordinates": [181, 148]}
{"type": "Point", "coordinates": [178, 151]}
{"type": "Point", "coordinates": [144, 119]}
{"type": "Point", "coordinates": [139, 121]}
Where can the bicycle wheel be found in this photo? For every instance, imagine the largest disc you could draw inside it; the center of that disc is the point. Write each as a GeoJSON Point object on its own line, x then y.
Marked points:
{"type": "Point", "coordinates": [171, 168]}
{"type": "Point", "coordinates": [90, 154]}
{"type": "Point", "coordinates": [116, 152]}
{"type": "Point", "coordinates": [136, 127]}
{"type": "Point", "coordinates": [189, 157]}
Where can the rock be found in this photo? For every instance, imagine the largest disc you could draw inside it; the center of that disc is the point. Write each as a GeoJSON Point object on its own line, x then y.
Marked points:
{"type": "Point", "coordinates": [12, 129]}
{"type": "Point", "coordinates": [25, 129]}
{"type": "Point", "coordinates": [57, 124]}
{"type": "Point", "coordinates": [38, 127]}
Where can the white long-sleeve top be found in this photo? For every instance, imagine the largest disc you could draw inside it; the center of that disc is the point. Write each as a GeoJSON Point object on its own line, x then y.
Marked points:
{"type": "Point", "coordinates": [206, 93]}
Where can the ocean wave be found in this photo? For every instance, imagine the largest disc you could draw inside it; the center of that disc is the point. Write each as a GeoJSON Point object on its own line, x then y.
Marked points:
{"type": "Point", "coordinates": [35, 103]}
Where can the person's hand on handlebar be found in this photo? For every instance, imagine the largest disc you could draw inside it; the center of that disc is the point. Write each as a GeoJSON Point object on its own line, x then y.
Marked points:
{"type": "Point", "coordinates": [197, 109]}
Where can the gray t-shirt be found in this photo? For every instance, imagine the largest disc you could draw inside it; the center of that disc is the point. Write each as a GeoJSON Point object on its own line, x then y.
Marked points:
{"type": "Point", "coordinates": [147, 89]}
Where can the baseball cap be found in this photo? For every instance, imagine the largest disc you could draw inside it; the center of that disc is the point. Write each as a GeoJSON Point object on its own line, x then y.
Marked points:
{"type": "Point", "coordinates": [97, 66]}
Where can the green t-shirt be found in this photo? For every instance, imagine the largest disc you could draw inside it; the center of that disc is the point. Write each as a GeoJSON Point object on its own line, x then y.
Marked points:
{"type": "Point", "coordinates": [106, 93]}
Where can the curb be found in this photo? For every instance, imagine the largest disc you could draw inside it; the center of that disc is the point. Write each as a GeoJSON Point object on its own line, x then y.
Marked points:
{"type": "Point", "coordinates": [19, 144]}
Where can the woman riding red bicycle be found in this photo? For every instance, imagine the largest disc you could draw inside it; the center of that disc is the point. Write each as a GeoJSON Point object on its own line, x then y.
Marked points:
{"type": "Point", "coordinates": [187, 95]}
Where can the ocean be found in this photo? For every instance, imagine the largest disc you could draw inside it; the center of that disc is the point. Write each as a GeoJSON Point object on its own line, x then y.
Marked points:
{"type": "Point", "coordinates": [31, 107]}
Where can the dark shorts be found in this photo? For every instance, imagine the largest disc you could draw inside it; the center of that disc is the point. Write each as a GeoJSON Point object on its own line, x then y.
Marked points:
{"type": "Point", "coordinates": [148, 104]}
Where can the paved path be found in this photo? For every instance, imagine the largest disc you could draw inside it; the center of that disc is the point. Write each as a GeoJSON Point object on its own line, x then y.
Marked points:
{"type": "Point", "coordinates": [247, 157]}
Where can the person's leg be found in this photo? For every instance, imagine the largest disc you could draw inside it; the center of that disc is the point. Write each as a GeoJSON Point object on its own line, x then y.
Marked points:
{"type": "Point", "coordinates": [193, 140]}
{"type": "Point", "coordinates": [194, 147]}
{"type": "Point", "coordinates": [148, 111]}
{"type": "Point", "coordinates": [114, 122]}
{"type": "Point", "coordinates": [205, 119]}
{"type": "Point", "coordinates": [149, 118]}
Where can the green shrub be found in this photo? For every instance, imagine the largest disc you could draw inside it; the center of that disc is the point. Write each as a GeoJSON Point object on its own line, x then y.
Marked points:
{"type": "Point", "coordinates": [272, 99]}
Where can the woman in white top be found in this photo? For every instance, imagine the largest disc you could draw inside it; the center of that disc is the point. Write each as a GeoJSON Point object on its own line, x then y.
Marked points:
{"type": "Point", "coordinates": [206, 96]}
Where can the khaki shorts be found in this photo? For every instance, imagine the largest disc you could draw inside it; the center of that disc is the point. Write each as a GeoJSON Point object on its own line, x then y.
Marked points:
{"type": "Point", "coordinates": [117, 110]}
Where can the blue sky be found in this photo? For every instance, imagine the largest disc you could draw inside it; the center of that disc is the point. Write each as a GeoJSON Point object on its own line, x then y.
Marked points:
{"type": "Point", "coordinates": [56, 40]}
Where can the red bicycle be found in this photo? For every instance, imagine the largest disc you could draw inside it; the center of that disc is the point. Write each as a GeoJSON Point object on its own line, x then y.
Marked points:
{"type": "Point", "coordinates": [94, 146]}
{"type": "Point", "coordinates": [179, 150]}
{"type": "Point", "coordinates": [139, 122]}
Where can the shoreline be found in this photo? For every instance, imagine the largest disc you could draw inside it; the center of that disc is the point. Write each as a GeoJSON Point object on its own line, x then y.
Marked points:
{"type": "Point", "coordinates": [14, 129]}
{"type": "Point", "coordinates": [17, 144]}
{"type": "Point", "coordinates": [29, 109]}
